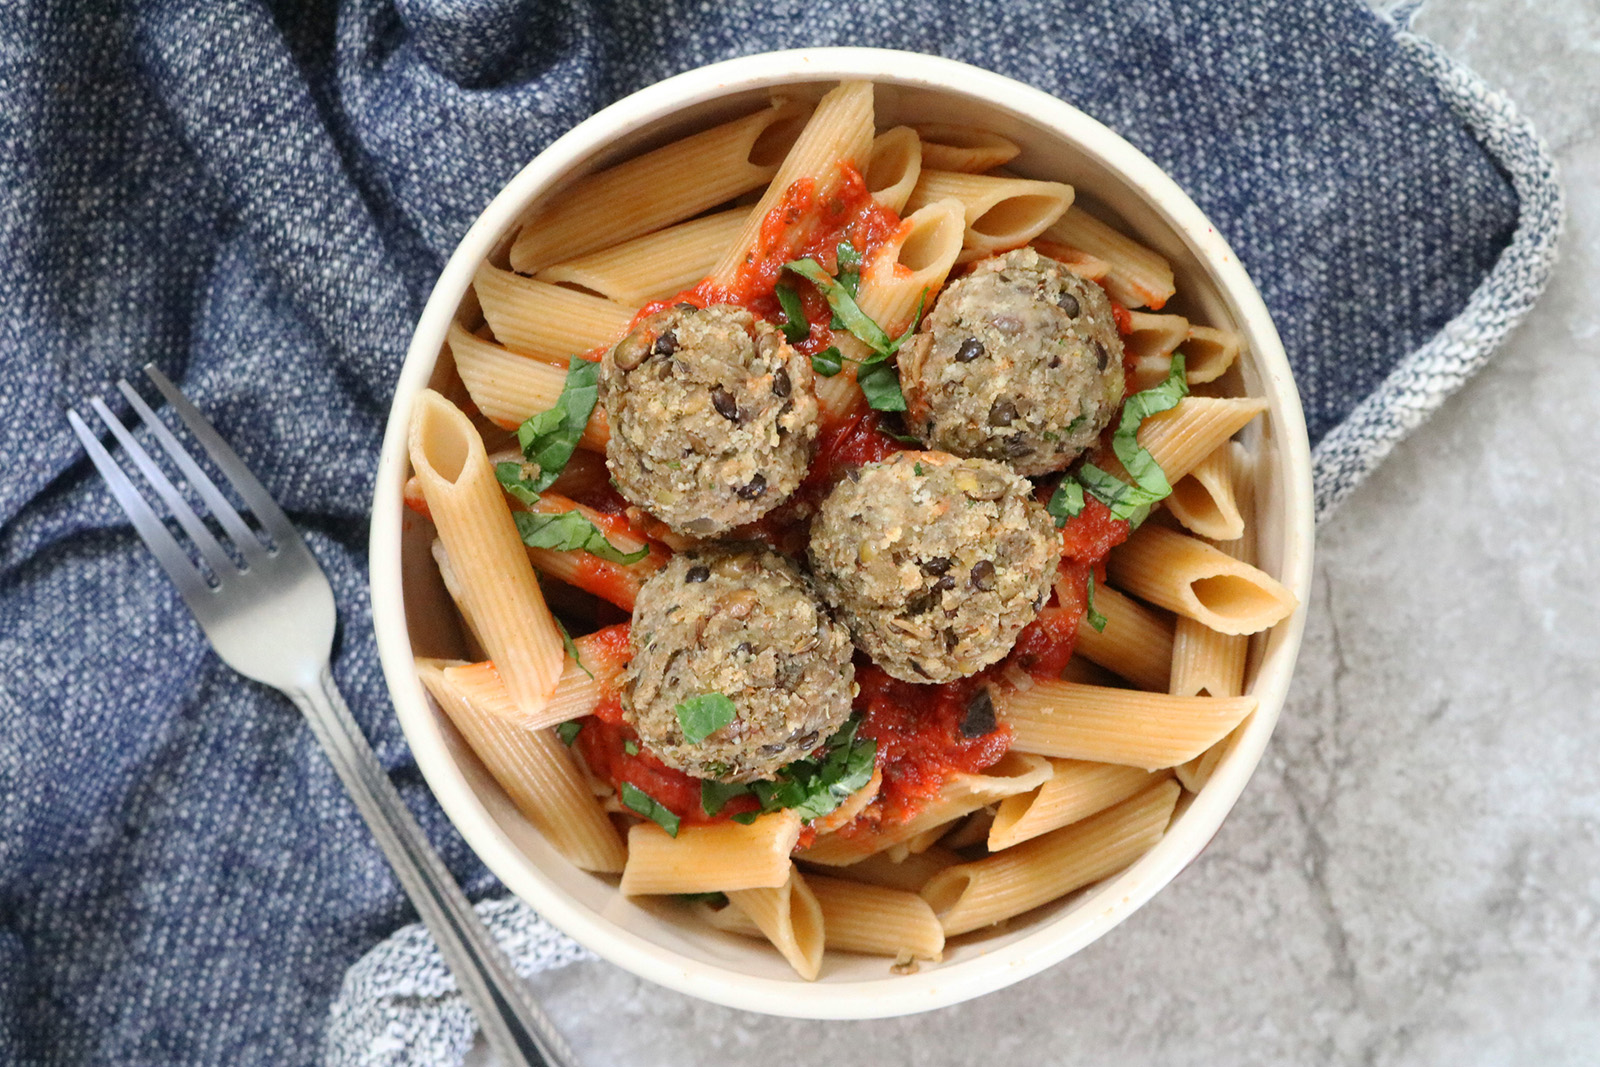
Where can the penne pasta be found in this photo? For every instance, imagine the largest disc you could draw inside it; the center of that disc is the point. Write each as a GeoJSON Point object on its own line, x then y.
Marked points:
{"type": "Point", "coordinates": [1180, 437]}
{"type": "Point", "coordinates": [548, 322]}
{"type": "Point", "coordinates": [1185, 575]}
{"type": "Point", "coordinates": [857, 917]}
{"type": "Point", "coordinates": [894, 166]}
{"type": "Point", "coordinates": [1135, 277]}
{"type": "Point", "coordinates": [491, 567]}
{"type": "Point", "coordinates": [1209, 352]}
{"type": "Point", "coordinates": [1075, 790]}
{"type": "Point", "coordinates": [1000, 213]}
{"type": "Point", "coordinates": [670, 184]}
{"type": "Point", "coordinates": [1150, 343]}
{"type": "Point", "coordinates": [839, 134]}
{"type": "Point", "coordinates": [1068, 720]}
{"type": "Point", "coordinates": [790, 917]}
{"type": "Point", "coordinates": [715, 857]}
{"type": "Point", "coordinates": [970, 896]}
{"type": "Point", "coordinates": [962, 793]}
{"type": "Point", "coordinates": [1203, 500]}
{"type": "Point", "coordinates": [584, 681]}
{"type": "Point", "coordinates": [655, 266]}
{"type": "Point", "coordinates": [963, 148]}
{"type": "Point", "coordinates": [615, 582]}
{"type": "Point", "coordinates": [537, 773]}
{"type": "Point", "coordinates": [1136, 643]}
{"type": "Point", "coordinates": [508, 388]}
{"type": "Point", "coordinates": [909, 872]}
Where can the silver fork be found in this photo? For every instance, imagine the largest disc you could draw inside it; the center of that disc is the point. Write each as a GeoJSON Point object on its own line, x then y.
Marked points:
{"type": "Point", "coordinates": [272, 620]}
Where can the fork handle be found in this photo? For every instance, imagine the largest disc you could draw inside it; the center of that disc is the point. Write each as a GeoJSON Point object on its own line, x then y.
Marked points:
{"type": "Point", "coordinates": [516, 1029]}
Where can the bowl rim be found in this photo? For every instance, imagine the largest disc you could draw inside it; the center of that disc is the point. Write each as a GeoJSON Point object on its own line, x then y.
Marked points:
{"type": "Point", "coordinates": [1107, 903]}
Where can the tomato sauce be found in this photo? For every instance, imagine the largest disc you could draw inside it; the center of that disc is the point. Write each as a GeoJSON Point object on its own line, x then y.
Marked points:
{"type": "Point", "coordinates": [920, 744]}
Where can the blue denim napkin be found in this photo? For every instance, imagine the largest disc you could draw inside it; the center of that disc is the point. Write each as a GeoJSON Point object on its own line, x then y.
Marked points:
{"type": "Point", "coordinates": [257, 195]}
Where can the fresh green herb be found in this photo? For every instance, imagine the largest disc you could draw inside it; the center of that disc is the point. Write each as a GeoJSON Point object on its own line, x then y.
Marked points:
{"type": "Point", "coordinates": [1129, 502]}
{"type": "Point", "coordinates": [885, 428]}
{"type": "Point", "coordinates": [917, 467]}
{"type": "Point", "coordinates": [638, 800]}
{"type": "Point", "coordinates": [571, 647]}
{"type": "Point", "coordinates": [569, 531]}
{"type": "Point", "coordinates": [568, 732]}
{"type": "Point", "coordinates": [795, 326]}
{"type": "Point", "coordinates": [714, 899]}
{"type": "Point", "coordinates": [745, 818]}
{"type": "Point", "coordinates": [1066, 502]}
{"type": "Point", "coordinates": [828, 362]}
{"type": "Point", "coordinates": [705, 714]}
{"type": "Point", "coordinates": [880, 383]}
{"type": "Point", "coordinates": [1097, 620]}
{"type": "Point", "coordinates": [844, 305]}
{"type": "Point", "coordinates": [631, 747]}
{"type": "Point", "coordinates": [849, 268]}
{"type": "Point", "coordinates": [814, 786]}
{"type": "Point", "coordinates": [549, 438]}
{"type": "Point", "coordinates": [714, 795]}
{"type": "Point", "coordinates": [519, 480]}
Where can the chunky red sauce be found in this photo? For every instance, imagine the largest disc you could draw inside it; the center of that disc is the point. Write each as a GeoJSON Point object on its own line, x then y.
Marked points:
{"type": "Point", "coordinates": [801, 225]}
{"type": "Point", "coordinates": [920, 744]}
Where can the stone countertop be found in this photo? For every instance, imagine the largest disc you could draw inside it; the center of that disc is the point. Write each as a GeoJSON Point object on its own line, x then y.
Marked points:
{"type": "Point", "coordinates": [1413, 875]}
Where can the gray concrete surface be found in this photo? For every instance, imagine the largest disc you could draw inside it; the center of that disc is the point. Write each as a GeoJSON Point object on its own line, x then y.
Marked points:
{"type": "Point", "coordinates": [1413, 877]}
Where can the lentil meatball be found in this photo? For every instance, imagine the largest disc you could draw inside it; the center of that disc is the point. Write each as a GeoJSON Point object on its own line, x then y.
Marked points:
{"type": "Point", "coordinates": [713, 417]}
{"type": "Point", "coordinates": [935, 563]}
{"type": "Point", "coordinates": [1019, 361]}
{"type": "Point", "coordinates": [742, 621]}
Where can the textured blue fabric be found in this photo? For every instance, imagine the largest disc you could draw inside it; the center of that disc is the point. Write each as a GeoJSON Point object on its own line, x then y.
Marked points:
{"type": "Point", "coordinates": [256, 196]}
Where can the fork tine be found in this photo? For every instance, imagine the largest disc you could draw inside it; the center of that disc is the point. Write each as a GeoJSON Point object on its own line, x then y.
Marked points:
{"type": "Point", "coordinates": [249, 544]}
{"type": "Point", "coordinates": [209, 548]}
{"type": "Point", "coordinates": [151, 529]}
{"type": "Point", "coordinates": [233, 468]}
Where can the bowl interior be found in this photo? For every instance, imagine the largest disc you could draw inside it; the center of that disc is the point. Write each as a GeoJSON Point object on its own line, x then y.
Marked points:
{"type": "Point", "coordinates": [658, 940]}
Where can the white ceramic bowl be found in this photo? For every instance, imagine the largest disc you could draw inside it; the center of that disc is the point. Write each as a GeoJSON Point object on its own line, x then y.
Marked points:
{"type": "Point", "coordinates": [413, 615]}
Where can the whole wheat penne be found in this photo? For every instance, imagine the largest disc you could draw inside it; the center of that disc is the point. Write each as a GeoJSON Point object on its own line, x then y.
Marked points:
{"type": "Point", "coordinates": [655, 266]}
{"type": "Point", "coordinates": [838, 134]}
{"type": "Point", "coordinates": [1209, 352]}
{"type": "Point", "coordinates": [710, 858]}
{"type": "Point", "coordinates": [968, 149]}
{"type": "Point", "coordinates": [1000, 213]}
{"type": "Point", "coordinates": [1076, 789]}
{"type": "Point", "coordinates": [496, 580]}
{"type": "Point", "coordinates": [1185, 575]}
{"type": "Point", "coordinates": [537, 773]}
{"type": "Point", "coordinates": [1136, 276]}
{"type": "Point", "coordinates": [1203, 500]}
{"type": "Point", "coordinates": [1150, 730]}
{"type": "Point", "coordinates": [790, 917]}
{"type": "Point", "coordinates": [1136, 642]}
{"type": "Point", "coordinates": [508, 388]}
{"type": "Point", "coordinates": [970, 896]}
{"type": "Point", "coordinates": [670, 184]}
{"type": "Point", "coordinates": [548, 322]}
{"type": "Point", "coordinates": [893, 167]}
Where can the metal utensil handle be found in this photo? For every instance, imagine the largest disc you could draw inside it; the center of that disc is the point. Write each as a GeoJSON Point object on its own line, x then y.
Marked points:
{"type": "Point", "coordinates": [515, 1028]}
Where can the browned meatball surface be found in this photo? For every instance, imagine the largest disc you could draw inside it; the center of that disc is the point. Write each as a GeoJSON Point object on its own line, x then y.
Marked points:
{"type": "Point", "coordinates": [1019, 361]}
{"type": "Point", "coordinates": [935, 563]}
{"type": "Point", "coordinates": [742, 621]}
{"type": "Point", "coordinates": [713, 417]}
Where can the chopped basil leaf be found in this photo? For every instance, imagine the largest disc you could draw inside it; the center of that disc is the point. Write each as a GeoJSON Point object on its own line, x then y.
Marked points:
{"type": "Point", "coordinates": [705, 714]}
{"type": "Point", "coordinates": [1066, 502]}
{"type": "Point", "coordinates": [571, 647]}
{"type": "Point", "coordinates": [568, 731]}
{"type": "Point", "coordinates": [631, 747]}
{"type": "Point", "coordinates": [917, 467]}
{"type": "Point", "coordinates": [638, 800]}
{"type": "Point", "coordinates": [569, 531]}
{"type": "Point", "coordinates": [715, 899]}
{"type": "Point", "coordinates": [828, 362]}
{"type": "Point", "coordinates": [849, 258]}
{"type": "Point", "coordinates": [795, 326]}
{"type": "Point", "coordinates": [1128, 502]}
{"type": "Point", "coordinates": [715, 795]}
{"type": "Point", "coordinates": [745, 818]}
{"type": "Point", "coordinates": [520, 480]}
{"type": "Point", "coordinates": [850, 315]}
{"type": "Point", "coordinates": [1097, 620]}
{"type": "Point", "coordinates": [880, 384]}
{"type": "Point", "coordinates": [549, 437]}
